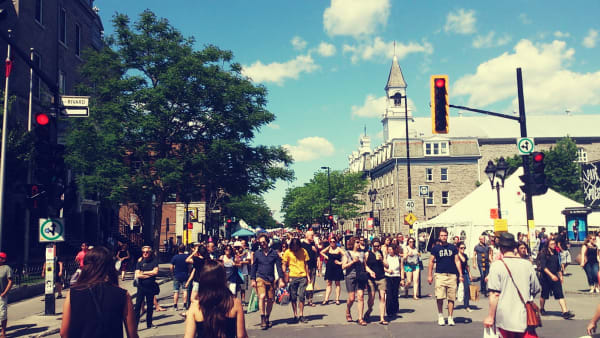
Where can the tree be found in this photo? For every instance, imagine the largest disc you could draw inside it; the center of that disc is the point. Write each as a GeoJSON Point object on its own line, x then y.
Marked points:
{"type": "Point", "coordinates": [308, 203]}
{"type": "Point", "coordinates": [252, 209]}
{"type": "Point", "coordinates": [182, 122]}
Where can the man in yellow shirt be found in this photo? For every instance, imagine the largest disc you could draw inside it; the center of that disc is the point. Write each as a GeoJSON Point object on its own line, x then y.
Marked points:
{"type": "Point", "coordinates": [295, 258]}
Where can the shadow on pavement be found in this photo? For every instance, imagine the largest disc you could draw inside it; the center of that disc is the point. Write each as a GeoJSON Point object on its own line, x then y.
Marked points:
{"type": "Point", "coordinates": [463, 320]}
{"type": "Point", "coordinates": [27, 331]}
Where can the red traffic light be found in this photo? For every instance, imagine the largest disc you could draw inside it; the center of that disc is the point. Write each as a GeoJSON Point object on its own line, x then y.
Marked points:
{"type": "Point", "coordinates": [440, 83]}
{"type": "Point", "coordinates": [42, 119]}
{"type": "Point", "coordinates": [330, 217]}
{"type": "Point", "coordinates": [538, 157]}
{"type": "Point", "coordinates": [228, 220]}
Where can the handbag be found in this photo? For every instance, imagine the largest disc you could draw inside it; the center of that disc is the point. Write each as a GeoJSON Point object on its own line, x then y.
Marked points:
{"type": "Point", "coordinates": [460, 293]}
{"type": "Point", "coordinates": [533, 311]}
{"type": "Point", "coordinates": [118, 265]}
{"type": "Point", "coordinates": [490, 332]}
{"type": "Point", "coordinates": [252, 302]}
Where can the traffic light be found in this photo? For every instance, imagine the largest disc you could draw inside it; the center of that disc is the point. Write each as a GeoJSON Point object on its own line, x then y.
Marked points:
{"type": "Point", "coordinates": [35, 195]}
{"type": "Point", "coordinates": [535, 183]}
{"type": "Point", "coordinates": [439, 104]}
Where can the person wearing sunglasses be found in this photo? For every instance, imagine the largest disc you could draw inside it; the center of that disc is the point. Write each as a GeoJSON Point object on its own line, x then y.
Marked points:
{"type": "Point", "coordinates": [146, 271]}
{"type": "Point", "coordinates": [411, 267]}
{"type": "Point", "coordinates": [333, 269]}
{"type": "Point", "coordinates": [466, 272]}
{"type": "Point", "coordinates": [375, 266]}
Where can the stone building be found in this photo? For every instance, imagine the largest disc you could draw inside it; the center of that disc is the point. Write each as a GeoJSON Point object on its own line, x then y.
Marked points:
{"type": "Point", "coordinates": [451, 165]}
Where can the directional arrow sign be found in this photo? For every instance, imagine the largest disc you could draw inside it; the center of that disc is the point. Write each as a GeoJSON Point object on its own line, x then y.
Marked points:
{"type": "Point", "coordinates": [52, 230]}
{"type": "Point", "coordinates": [525, 145]}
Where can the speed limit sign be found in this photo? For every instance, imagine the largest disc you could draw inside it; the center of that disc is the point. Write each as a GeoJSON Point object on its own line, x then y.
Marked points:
{"type": "Point", "coordinates": [410, 205]}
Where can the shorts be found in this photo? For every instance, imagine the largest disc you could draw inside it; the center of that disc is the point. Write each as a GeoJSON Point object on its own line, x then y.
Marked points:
{"type": "Point", "coordinates": [445, 286]}
{"type": "Point", "coordinates": [3, 308]}
{"type": "Point", "coordinates": [352, 284]}
{"type": "Point", "coordinates": [550, 285]}
{"type": "Point", "coordinates": [264, 287]}
{"type": "Point", "coordinates": [178, 284]}
{"type": "Point", "coordinates": [195, 286]}
{"type": "Point", "coordinates": [410, 268]}
{"type": "Point", "coordinates": [376, 284]}
{"type": "Point", "coordinates": [297, 288]}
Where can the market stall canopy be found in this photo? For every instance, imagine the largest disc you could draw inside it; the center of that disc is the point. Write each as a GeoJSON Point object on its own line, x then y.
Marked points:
{"type": "Point", "coordinates": [243, 233]}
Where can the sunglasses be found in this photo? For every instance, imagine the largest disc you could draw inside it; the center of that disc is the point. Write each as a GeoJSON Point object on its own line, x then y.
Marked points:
{"type": "Point", "coordinates": [146, 251]}
{"type": "Point", "coordinates": [462, 247]}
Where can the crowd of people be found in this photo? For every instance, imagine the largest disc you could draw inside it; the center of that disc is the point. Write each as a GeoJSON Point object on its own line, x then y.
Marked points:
{"type": "Point", "coordinates": [215, 276]}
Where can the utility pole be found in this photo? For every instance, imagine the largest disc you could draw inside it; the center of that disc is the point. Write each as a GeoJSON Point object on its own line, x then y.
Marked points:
{"type": "Point", "coordinates": [523, 124]}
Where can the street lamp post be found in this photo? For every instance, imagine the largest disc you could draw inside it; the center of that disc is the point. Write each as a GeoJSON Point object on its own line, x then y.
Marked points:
{"type": "Point", "coordinates": [494, 171]}
{"type": "Point", "coordinates": [372, 197]}
{"type": "Point", "coordinates": [378, 216]}
{"type": "Point", "coordinates": [329, 194]}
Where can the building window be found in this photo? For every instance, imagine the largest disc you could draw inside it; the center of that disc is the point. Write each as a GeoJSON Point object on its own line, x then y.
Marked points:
{"type": "Point", "coordinates": [62, 32]}
{"type": "Point", "coordinates": [39, 11]}
{"type": "Point", "coordinates": [397, 99]}
{"type": "Point", "coordinates": [77, 40]}
{"type": "Point", "coordinates": [436, 148]}
{"type": "Point", "coordinates": [445, 197]}
{"type": "Point", "coordinates": [429, 199]}
{"type": "Point", "coordinates": [581, 155]}
{"type": "Point", "coordinates": [35, 85]}
{"type": "Point", "coordinates": [444, 174]}
{"type": "Point", "coordinates": [62, 82]}
{"type": "Point", "coordinates": [429, 174]}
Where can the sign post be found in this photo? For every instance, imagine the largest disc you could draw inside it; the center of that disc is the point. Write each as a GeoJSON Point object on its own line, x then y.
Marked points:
{"type": "Point", "coordinates": [49, 306]}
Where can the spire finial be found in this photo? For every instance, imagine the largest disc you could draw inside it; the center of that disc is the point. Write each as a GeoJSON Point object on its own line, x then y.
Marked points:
{"type": "Point", "coordinates": [365, 130]}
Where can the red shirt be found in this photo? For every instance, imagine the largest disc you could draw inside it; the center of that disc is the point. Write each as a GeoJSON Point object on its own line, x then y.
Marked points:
{"type": "Point", "coordinates": [79, 257]}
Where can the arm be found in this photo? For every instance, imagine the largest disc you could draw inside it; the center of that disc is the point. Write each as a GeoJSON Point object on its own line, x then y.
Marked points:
{"type": "Point", "coordinates": [253, 268]}
{"type": "Point", "coordinates": [130, 322]}
{"type": "Point", "coordinates": [430, 269]}
{"type": "Point", "coordinates": [240, 322]}
{"type": "Point", "coordinates": [345, 262]}
{"type": "Point", "coordinates": [126, 257]}
{"type": "Point", "coordinates": [190, 277]}
{"type": "Point", "coordinates": [458, 264]}
{"type": "Point", "coordinates": [474, 259]}
{"type": "Point", "coordinates": [189, 258]}
{"type": "Point", "coordinates": [367, 269]}
{"type": "Point", "coordinates": [66, 317]}
{"type": "Point", "coordinates": [60, 269]}
{"type": "Point", "coordinates": [491, 317]}
{"type": "Point", "coordinates": [591, 328]}
{"type": "Point", "coordinates": [190, 325]}
{"type": "Point", "coordinates": [322, 253]}
{"type": "Point", "coordinates": [8, 286]}
{"type": "Point", "coordinates": [583, 253]}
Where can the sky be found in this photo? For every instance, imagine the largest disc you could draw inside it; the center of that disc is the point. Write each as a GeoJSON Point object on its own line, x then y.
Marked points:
{"type": "Point", "coordinates": [325, 63]}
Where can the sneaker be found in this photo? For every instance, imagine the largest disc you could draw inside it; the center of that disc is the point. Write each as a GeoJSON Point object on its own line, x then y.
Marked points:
{"type": "Point", "coordinates": [441, 321]}
{"type": "Point", "coordinates": [263, 322]}
{"type": "Point", "coordinates": [295, 320]}
{"type": "Point", "coordinates": [568, 315]}
{"type": "Point", "coordinates": [451, 321]}
{"type": "Point", "coordinates": [469, 309]}
{"type": "Point", "coordinates": [303, 319]}
{"type": "Point", "coordinates": [59, 296]}
{"type": "Point", "coordinates": [543, 312]}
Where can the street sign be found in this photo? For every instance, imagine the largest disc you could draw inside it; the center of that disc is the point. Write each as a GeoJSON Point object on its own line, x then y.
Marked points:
{"type": "Point", "coordinates": [410, 218]}
{"type": "Point", "coordinates": [424, 191]}
{"type": "Point", "coordinates": [525, 145]}
{"type": "Point", "coordinates": [410, 205]}
{"type": "Point", "coordinates": [75, 106]}
{"type": "Point", "coordinates": [500, 225]}
{"type": "Point", "coordinates": [52, 230]}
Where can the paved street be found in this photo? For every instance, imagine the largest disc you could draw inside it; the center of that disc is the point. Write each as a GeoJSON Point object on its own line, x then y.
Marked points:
{"type": "Point", "coordinates": [415, 317]}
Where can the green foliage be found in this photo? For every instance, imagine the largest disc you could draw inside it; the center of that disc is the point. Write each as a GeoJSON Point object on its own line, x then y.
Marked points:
{"type": "Point", "coordinates": [169, 119]}
{"type": "Point", "coordinates": [252, 209]}
{"type": "Point", "coordinates": [308, 203]}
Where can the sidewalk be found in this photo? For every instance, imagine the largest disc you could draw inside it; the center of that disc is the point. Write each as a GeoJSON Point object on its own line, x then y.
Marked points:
{"type": "Point", "coordinates": [39, 325]}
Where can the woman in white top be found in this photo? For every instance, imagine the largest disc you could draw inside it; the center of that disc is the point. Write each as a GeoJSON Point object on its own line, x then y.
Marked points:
{"type": "Point", "coordinates": [394, 275]}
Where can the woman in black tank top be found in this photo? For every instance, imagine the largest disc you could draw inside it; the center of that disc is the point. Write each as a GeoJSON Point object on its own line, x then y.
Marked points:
{"type": "Point", "coordinates": [218, 313]}
{"type": "Point", "coordinates": [96, 306]}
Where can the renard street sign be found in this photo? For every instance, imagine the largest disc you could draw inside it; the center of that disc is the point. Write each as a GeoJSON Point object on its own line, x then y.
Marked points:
{"type": "Point", "coordinates": [75, 106]}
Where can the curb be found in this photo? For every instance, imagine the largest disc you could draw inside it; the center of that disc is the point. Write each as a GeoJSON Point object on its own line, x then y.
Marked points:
{"type": "Point", "coordinates": [52, 331]}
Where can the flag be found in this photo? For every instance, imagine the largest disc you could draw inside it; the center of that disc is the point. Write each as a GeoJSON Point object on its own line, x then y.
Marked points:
{"type": "Point", "coordinates": [8, 67]}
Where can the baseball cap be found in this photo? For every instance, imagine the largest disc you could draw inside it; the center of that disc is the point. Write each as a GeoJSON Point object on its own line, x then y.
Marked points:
{"type": "Point", "coordinates": [3, 255]}
{"type": "Point", "coordinates": [237, 243]}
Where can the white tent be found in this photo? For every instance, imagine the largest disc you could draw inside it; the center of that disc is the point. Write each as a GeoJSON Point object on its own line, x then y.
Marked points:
{"type": "Point", "coordinates": [471, 216]}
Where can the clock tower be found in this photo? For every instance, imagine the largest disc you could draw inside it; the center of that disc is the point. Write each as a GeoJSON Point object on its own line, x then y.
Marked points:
{"type": "Point", "coordinates": [397, 109]}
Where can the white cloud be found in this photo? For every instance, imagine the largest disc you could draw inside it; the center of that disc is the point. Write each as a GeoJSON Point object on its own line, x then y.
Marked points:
{"type": "Point", "coordinates": [385, 50]}
{"type": "Point", "coordinates": [278, 72]}
{"type": "Point", "coordinates": [590, 40]}
{"type": "Point", "coordinates": [355, 17]}
{"type": "Point", "coordinates": [461, 22]}
{"type": "Point", "coordinates": [326, 49]}
{"type": "Point", "coordinates": [490, 40]}
{"type": "Point", "coordinates": [525, 19]}
{"type": "Point", "coordinates": [310, 148]}
{"type": "Point", "coordinates": [561, 35]}
{"type": "Point", "coordinates": [298, 43]}
{"type": "Point", "coordinates": [375, 107]}
{"type": "Point", "coordinates": [549, 85]}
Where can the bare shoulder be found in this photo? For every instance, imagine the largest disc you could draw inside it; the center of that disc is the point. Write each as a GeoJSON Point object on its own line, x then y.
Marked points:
{"type": "Point", "coordinates": [237, 308]}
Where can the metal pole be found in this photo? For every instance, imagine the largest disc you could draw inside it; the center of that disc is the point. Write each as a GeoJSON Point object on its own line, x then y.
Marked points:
{"type": "Point", "coordinates": [29, 170]}
{"type": "Point", "coordinates": [3, 149]}
{"type": "Point", "coordinates": [50, 304]}
{"type": "Point", "coordinates": [329, 196]}
{"type": "Point", "coordinates": [498, 195]}
{"type": "Point", "coordinates": [523, 124]}
{"type": "Point", "coordinates": [185, 225]}
{"type": "Point", "coordinates": [407, 150]}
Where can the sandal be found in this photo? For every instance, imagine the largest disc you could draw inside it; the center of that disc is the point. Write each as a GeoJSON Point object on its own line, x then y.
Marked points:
{"type": "Point", "coordinates": [384, 322]}
{"type": "Point", "coordinates": [416, 298]}
{"type": "Point", "coordinates": [362, 322]}
{"type": "Point", "coordinates": [337, 302]}
{"type": "Point", "coordinates": [349, 318]}
{"type": "Point", "coordinates": [325, 302]}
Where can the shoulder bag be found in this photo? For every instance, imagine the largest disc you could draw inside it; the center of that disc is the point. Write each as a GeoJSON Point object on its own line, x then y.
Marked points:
{"type": "Point", "coordinates": [533, 311]}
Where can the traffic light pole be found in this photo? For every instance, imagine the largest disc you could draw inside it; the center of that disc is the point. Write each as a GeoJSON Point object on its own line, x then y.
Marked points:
{"type": "Point", "coordinates": [4, 134]}
{"type": "Point", "coordinates": [523, 123]}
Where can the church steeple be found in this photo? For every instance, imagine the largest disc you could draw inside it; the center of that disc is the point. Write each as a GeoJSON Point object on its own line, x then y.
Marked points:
{"type": "Point", "coordinates": [395, 79]}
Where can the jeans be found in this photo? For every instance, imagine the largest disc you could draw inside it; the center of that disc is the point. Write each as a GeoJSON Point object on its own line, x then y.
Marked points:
{"type": "Point", "coordinates": [141, 295]}
{"type": "Point", "coordinates": [591, 271]}
{"type": "Point", "coordinates": [467, 290]}
{"type": "Point", "coordinates": [391, 299]}
{"type": "Point", "coordinates": [484, 270]}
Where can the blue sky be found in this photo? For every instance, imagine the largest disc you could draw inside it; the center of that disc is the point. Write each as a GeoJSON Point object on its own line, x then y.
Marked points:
{"type": "Point", "coordinates": [325, 63]}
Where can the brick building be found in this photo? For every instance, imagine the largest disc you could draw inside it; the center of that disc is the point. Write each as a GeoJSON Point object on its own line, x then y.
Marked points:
{"type": "Point", "coordinates": [453, 164]}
